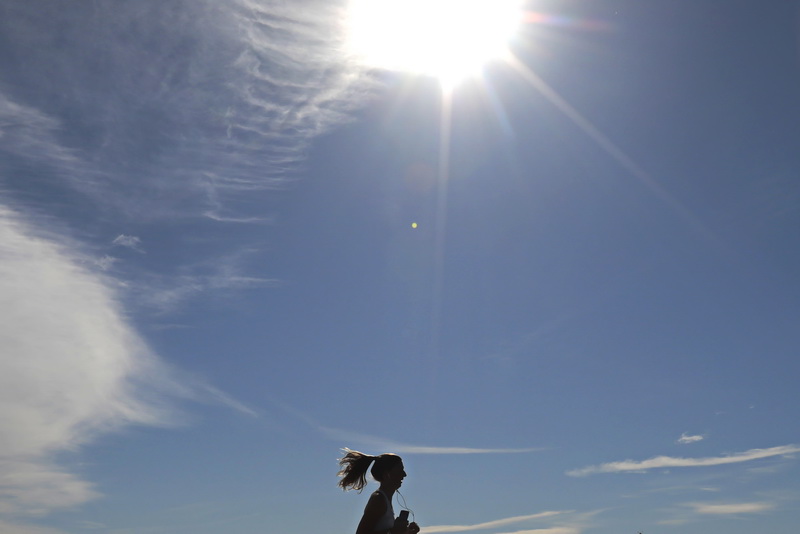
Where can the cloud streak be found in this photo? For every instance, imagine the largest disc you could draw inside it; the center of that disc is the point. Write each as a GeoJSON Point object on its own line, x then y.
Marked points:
{"type": "Point", "coordinates": [497, 523]}
{"type": "Point", "coordinates": [732, 508]}
{"type": "Point", "coordinates": [685, 439]}
{"type": "Point", "coordinates": [694, 511]}
{"type": "Point", "coordinates": [364, 440]}
{"type": "Point", "coordinates": [223, 274]}
{"type": "Point", "coordinates": [128, 241]}
{"type": "Point", "coordinates": [318, 86]}
{"type": "Point", "coordinates": [662, 462]}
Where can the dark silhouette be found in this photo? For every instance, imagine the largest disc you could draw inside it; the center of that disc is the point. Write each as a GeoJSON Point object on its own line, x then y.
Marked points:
{"type": "Point", "coordinates": [388, 470]}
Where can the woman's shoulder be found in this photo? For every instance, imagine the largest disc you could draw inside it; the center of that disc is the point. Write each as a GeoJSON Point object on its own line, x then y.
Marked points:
{"type": "Point", "coordinates": [377, 495]}
{"type": "Point", "coordinates": [377, 499]}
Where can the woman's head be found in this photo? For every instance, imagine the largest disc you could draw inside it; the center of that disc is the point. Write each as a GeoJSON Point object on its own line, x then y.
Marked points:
{"type": "Point", "coordinates": [387, 468]}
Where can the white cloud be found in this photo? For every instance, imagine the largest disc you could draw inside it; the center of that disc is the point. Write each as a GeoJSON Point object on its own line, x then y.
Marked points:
{"type": "Point", "coordinates": [687, 438]}
{"type": "Point", "coordinates": [694, 511]}
{"type": "Point", "coordinates": [215, 216]}
{"type": "Point", "coordinates": [667, 461]}
{"type": "Point", "coordinates": [423, 449]}
{"type": "Point", "coordinates": [732, 508]}
{"type": "Point", "coordinates": [364, 440]}
{"type": "Point", "coordinates": [106, 262]}
{"type": "Point", "coordinates": [557, 522]}
{"type": "Point", "coordinates": [494, 524]}
{"type": "Point", "coordinates": [128, 241]}
{"type": "Point", "coordinates": [70, 368]}
{"type": "Point", "coordinates": [693, 488]}
{"type": "Point", "coordinates": [36, 486]}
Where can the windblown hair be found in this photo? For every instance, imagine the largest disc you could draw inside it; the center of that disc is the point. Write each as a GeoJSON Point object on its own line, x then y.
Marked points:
{"type": "Point", "coordinates": [354, 467]}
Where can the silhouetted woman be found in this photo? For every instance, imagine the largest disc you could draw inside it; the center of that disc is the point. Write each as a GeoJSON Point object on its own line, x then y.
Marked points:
{"type": "Point", "coordinates": [388, 470]}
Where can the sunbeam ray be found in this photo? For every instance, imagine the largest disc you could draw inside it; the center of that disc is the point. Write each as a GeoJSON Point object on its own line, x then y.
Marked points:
{"type": "Point", "coordinates": [443, 178]}
{"type": "Point", "coordinates": [608, 146]}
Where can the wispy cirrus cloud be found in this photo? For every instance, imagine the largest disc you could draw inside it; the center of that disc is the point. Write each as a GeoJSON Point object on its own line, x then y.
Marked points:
{"type": "Point", "coordinates": [696, 511]}
{"type": "Point", "coordinates": [375, 442]}
{"type": "Point", "coordinates": [497, 523]}
{"type": "Point", "coordinates": [167, 293]}
{"type": "Point", "coordinates": [128, 241]}
{"type": "Point", "coordinates": [222, 275]}
{"type": "Point", "coordinates": [201, 102]}
{"type": "Point", "coordinates": [661, 462]}
{"type": "Point", "coordinates": [731, 508]}
{"type": "Point", "coordinates": [105, 263]}
{"type": "Point", "coordinates": [318, 86]}
{"type": "Point", "coordinates": [550, 522]}
{"type": "Point", "coordinates": [378, 443]}
{"type": "Point", "coordinates": [687, 438]}
{"type": "Point", "coordinates": [29, 134]}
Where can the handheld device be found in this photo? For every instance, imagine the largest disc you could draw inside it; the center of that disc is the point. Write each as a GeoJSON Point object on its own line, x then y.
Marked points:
{"type": "Point", "coordinates": [403, 515]}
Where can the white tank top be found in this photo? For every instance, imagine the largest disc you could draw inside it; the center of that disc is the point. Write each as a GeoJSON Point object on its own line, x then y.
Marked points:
{"type": "Point", "coordinates": [386, 521]}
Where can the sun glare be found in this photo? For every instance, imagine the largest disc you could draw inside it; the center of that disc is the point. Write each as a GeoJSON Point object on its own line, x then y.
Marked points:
{"type": "Point", "coordinates": [448, 39]}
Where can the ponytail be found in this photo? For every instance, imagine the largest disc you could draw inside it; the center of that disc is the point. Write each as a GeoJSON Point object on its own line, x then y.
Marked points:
{"type": "Point", "coordinates": [353, 470]}
{"type": "Point", "coordinates": [354, 467]}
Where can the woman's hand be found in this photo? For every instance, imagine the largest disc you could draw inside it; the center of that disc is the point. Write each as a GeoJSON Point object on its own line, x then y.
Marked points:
{"type": "Point", "coordinates": [400, 526]}
{"type": "Point", "coordinates": [413, 528]}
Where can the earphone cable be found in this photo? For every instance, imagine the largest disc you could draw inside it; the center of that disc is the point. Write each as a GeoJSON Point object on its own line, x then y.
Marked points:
{"type": "Point", "coordinates": [404, 506]}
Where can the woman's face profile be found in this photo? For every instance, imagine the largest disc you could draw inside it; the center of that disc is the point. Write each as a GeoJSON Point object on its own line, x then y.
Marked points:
{"type": "Point", "coordinates": [395, 475]}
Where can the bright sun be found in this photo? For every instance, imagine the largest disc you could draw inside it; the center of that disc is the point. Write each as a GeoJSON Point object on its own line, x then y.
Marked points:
{"type": "Point", "coordinates": [448, 39]}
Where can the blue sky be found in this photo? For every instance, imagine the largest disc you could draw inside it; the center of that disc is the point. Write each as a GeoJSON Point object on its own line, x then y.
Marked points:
{"type": "Point", "coordinates": [211, 281]}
